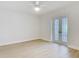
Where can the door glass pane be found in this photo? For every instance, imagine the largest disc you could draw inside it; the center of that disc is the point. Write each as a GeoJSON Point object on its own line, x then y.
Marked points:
{"type": "Point", "coordinates": [64, 28]}
{"type": "Point", "coordinates": [56, 29]}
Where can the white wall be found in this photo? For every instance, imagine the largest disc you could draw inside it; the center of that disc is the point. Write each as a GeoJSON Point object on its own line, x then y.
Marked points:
{"type": "Point", "coordinates": [45, 25]}
{"type": "Point", "coordinates": [17, 27]}
{"type": "Point", "coordinates": [72, 12]}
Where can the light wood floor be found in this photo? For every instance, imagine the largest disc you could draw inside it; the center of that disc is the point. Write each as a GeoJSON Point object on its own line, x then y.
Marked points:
{"type": "Point", "coordinates": [37, 49]}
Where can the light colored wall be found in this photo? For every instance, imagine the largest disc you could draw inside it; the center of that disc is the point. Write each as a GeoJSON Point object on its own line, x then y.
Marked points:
{"type": "Point", "coordinates": [17, 27]}
{"type": "Point", "coordinates": [46, 24]}
{"type": "Point", "coordinates": [72, 12]}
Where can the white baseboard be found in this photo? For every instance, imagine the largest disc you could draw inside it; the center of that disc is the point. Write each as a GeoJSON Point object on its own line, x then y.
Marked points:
{"type": "Point", "coordinates": [19, 41]}
{"type": "Point", "coordinates": [73, 47]}
{"type": "Point", "coordinates": [46, 39]}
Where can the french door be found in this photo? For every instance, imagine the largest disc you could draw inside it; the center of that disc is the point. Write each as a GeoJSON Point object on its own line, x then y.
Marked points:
{"type": "Point", "coordinates": [60, 30]}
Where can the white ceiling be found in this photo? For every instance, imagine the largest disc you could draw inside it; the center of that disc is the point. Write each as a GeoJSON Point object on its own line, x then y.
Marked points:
{"type": "Point", "coordinates": [28, 6]}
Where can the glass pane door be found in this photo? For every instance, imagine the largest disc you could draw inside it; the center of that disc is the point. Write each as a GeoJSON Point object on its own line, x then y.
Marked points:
{"type": "Point", "coordinates": [56, 29]}
{"type": "Point", "coordinates": [60, 30]}
{"type": "Point", "coordinates": [64, 29]}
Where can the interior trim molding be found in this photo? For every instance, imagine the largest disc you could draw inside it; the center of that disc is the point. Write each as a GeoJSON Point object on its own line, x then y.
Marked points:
{"type": "Point", "coordinates": [15, 42]}
{"type": "Point", "coordinates": [73, 47]}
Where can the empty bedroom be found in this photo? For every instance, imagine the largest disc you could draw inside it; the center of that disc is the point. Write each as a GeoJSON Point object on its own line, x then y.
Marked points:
{"type": "Point", "coordinates": [39, 29]}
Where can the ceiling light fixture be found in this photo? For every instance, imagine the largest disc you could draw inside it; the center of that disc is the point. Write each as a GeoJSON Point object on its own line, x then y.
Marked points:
{"type": "Point", "coordinates": [37, 6]}
{"type": "Point", "coordinates": [37, 9]}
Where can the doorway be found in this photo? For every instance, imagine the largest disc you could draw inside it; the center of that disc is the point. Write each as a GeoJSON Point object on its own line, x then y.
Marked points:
{"type": "Point", "coordinates": [60, 30]}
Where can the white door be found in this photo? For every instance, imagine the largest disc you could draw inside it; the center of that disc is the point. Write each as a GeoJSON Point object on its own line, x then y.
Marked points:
{"type": "Point", "coordinates": [64, 29]}
{"type": "Point", "coordinates": [60, 30]}
{"type": "Point", "coordinates": [56, 30]}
